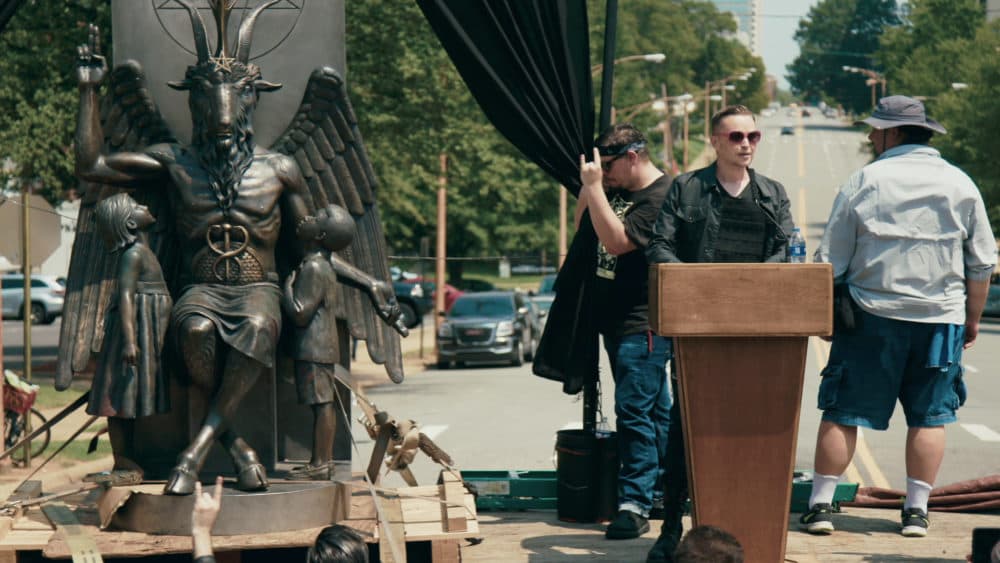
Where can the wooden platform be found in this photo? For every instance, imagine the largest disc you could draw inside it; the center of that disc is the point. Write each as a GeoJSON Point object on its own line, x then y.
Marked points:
{"type": "Point", "coordinates": [432, 530]}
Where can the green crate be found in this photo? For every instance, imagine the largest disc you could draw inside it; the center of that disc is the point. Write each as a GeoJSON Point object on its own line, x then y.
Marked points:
{"type": "Point", "coordinates": [512, 490]}
{"type": "Point", "coordinates": [524, 490]}
{"type": "Point", "coordinates": [802, 488]}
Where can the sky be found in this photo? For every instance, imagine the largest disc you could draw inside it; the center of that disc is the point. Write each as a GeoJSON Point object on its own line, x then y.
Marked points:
{"type": "Point", "coordinates": [779, 22]}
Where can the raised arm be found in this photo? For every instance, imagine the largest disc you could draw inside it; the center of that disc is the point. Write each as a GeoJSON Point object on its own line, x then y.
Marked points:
{"type": "Point", "coordinates": [381, 293]}
{"type": "Point", "coordinates": [120, 168]}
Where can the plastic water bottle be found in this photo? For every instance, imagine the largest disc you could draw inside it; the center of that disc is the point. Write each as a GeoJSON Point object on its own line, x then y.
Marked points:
{"type": "Point", "coordinates": [797, 247]}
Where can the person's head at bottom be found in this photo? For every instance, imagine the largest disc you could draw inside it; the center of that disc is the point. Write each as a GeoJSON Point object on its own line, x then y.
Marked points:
{"type": "Point", "coordinates": [338, 544]}
{"type": "Point", "coordinates": [708, 544]}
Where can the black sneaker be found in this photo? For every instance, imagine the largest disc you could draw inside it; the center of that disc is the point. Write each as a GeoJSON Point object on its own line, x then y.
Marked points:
{"type": "Point", "coordinates": [819, 519]}
{"type": "Point", "coordinates": [656, 512]}
{"type": "Point", "coordinates": [626, 525]}
{"type": "Point", "coordinates": [915, 523]}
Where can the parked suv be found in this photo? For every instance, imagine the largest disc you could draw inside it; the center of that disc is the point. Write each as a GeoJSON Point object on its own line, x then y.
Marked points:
{"type": "Point", "coordinates": [491, 326]}
{"type": "Point", "coordinates": [47, 293]}
{"type": "Point", "coordinates": [413, 301]}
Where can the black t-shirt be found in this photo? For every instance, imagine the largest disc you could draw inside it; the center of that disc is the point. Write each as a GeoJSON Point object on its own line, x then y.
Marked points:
{"type": "Point", "coordinates": [742, 228]}
{"type": "Point", "coordinates": [622, 282]}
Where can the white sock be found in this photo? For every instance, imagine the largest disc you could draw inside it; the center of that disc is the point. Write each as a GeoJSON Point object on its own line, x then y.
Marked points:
{"type": "Point", "coordinates": [917, 494]}
{"type": "Point", "coordinates": [824, 486]}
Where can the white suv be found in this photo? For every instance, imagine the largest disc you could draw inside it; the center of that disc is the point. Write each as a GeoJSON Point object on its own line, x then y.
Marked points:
{"type": "Point", "coordinates": [47, 293]}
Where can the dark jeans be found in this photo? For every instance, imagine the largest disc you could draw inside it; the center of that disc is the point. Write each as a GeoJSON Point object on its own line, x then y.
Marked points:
{"type": "Point", "coordinates": [642, 411]}
{"type": "Point", "coordinates": [675, 479]}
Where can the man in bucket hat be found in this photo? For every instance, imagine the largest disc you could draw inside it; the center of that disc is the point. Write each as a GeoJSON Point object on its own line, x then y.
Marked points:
{"type": "Point", "coordinates": [909, 236]}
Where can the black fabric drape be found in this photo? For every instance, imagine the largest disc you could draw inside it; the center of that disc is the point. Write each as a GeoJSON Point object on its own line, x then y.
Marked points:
{"type": "Point", "coordinates": [7, 9]}
{"type": "Point", "coordinates": [527, 63]}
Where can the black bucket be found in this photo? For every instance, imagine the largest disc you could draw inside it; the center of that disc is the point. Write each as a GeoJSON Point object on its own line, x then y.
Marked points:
{"type": "Point", "coordinates": [586, 476]}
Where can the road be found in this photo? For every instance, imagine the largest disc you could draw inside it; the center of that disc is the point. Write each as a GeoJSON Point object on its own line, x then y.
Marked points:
{"type": "Point", "coordinates": [44, 344]}
{"type": "Point", "coordinates": [506, 418]}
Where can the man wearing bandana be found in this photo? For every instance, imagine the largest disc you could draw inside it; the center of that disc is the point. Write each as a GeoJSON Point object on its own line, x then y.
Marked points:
{"type": "Point", "coordinates": [621, 196]}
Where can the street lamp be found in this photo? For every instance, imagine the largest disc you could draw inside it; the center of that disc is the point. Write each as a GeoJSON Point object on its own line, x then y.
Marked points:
{"type": "Point", "coordinates": [648, 57]}
{"type": "Point", "coordinates": [873, 79]}
{"type": "Point", "coordinates": [723, 86]}
{"type": "Point", "coordinates": [662, 105]}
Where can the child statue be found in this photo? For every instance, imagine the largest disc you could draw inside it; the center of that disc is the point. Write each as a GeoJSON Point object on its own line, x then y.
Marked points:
{"type": "Point", "coordinates": [128, 381]}
{"type": "Point", "coordinates": [309, 300]}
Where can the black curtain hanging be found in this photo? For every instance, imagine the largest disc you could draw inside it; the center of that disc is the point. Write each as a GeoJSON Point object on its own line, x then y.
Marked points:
{"type": "Point", "coordinates": [7, 9]}
{"type": "Point", "coordinates": [527, 63]}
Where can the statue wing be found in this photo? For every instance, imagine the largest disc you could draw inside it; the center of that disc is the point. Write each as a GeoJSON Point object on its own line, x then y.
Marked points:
{"type": "Point", "coordinates": [324, 140]}
{"type": "Point", "coordinates": [130, 122]}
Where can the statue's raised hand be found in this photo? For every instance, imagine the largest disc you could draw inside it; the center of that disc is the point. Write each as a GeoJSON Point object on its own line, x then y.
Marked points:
{"type": "Point", "coordinates": [90, 64]}
{"type": "Point", "coordinates": [387, 306]}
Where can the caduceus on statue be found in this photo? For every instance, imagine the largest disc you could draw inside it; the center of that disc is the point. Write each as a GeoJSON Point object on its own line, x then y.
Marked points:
{"type": "Point", "coordinates": [224, 203]}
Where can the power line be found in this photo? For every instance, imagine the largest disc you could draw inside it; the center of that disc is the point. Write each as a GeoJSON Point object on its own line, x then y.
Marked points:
{"type": "Point", "coordinates": [5, 199]}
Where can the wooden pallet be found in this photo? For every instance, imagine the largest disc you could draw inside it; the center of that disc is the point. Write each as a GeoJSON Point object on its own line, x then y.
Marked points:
{"type": "Point", "coordinates": [429, 523]}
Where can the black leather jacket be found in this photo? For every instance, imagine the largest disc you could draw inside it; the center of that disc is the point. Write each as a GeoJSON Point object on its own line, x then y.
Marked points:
{"type": "Point", "coordinates": [688, 225]}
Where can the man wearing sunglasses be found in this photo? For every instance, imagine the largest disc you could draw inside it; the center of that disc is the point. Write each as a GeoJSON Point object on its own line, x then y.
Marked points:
{"type": "Point", "coordinates": [909, 236]}
{"type": "Point", "coordinates": [725, 212]}
{"type": "Point", "coordinates": [621, 195]}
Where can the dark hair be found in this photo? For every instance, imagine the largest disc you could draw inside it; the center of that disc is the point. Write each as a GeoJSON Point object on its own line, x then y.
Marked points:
{"type": "Point", "coordinates": [338, 544]}
{"type": "Point", "coordinates": [618, 137]}
{"type": "Point", "coordinates": [915, 135]}
{"type": "Point", "coordinates": [708, 544]}
{"type": "Point", "coordinates": [728, 111]}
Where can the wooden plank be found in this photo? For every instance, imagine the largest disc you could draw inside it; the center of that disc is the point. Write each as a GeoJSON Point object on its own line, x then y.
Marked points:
{"type": "Point", "coordinates": [392, 533]}
{"type": "Point", "coordinates": [741, 299]}
{"type": "Point", "coordinates": [445, 551]}
{"type": "Point", "coordinates": [453, 515]}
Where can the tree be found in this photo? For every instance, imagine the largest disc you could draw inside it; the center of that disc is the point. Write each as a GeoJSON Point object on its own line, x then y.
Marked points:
{"type": "Point", "coordinates": [412, 106]}
{"type": "Point", "coordinates": [835, 34]}
{"type": "Point", "coordinates": [38, 91]}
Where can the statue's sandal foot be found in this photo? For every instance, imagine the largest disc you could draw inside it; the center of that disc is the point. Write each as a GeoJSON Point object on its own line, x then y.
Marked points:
{"type": "Point", "coordinates": [319, 472]}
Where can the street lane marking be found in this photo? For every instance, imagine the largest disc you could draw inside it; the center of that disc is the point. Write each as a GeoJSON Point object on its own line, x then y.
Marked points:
{"type": "Point", "coordinates": [868, 461]}
{"type": "Point", "coordinates": [573, 426]}
{"type": "Point", "coordinates": [981, 431]}
{"type": "Point", "coordinates": [432, 431]}
{"type": "Point", "coordinates": [970, 368]}
{"type": "Point", "coordinates": [801, 212]}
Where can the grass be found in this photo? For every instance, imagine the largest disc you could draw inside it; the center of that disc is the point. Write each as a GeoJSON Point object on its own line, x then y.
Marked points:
{"type": "Point", "coordinates": [49, 398]}
{"type": "Point", "coordinates": [77, 450]}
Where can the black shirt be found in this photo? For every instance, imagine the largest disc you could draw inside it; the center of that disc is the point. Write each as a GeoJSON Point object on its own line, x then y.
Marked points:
{"type": "Point", "coordinates": [742, 228]}
{"type": "Point", "coordinates": [621, 285]}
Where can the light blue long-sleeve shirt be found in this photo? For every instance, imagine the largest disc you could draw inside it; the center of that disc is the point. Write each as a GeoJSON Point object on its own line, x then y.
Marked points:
{"type": "Point", "coordinates": [905, 233]}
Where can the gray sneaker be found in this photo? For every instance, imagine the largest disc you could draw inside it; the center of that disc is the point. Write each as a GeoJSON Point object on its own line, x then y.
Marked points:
{"type": "Point", "coordinates": [819, 519]}
{"type": "Point", "coordinates": [915, 523]}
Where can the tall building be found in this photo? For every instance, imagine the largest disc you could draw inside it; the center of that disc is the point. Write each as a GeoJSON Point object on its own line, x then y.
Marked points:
{"type": "Point", "coordinates": [748, 18]}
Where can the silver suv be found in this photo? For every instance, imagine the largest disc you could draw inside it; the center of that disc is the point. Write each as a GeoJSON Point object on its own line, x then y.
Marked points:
{"type": "Point", "coordinates": [47, 293]}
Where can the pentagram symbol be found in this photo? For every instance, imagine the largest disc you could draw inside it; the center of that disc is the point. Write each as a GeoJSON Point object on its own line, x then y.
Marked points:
{"type": "Point", "coordinates": [281, 18]}
{"type": "Point", "coordinates": [221, 241]}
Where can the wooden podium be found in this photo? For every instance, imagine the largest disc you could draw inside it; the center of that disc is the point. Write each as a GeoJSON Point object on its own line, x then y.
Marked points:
{"type": "Point", "coordinates": [741, 334]}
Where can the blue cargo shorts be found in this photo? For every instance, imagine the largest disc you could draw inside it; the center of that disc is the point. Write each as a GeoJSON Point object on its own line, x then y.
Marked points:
{"type": "Point", "coordinates": [883, 360]}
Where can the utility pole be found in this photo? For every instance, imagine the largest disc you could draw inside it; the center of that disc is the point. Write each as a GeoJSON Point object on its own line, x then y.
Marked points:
{"type": "Point", "coordinates": [26, 305]}
{"type": "Point", "coordinates": [668, 153]}
{"type": "Point", "coordinates": [442, 231]}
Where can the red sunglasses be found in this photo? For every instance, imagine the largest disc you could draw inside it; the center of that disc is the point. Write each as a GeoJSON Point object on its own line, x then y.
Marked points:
{"type": "Point", "coordinates": [738, 136]}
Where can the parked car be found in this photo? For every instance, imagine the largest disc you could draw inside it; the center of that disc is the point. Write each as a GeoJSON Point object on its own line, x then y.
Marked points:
{"type": "Point", "coordinates": [413, 301]}
{"type": "Point", "coordinates": [476, 284]}
{"type": "Point", "coordinates": [787, 130]}
{"type": "Point", "coordinates": [547, 285]}
{"type": "Point", "coordinates": [543, 303]}
{"type": "Point", "coordinates": [47, 294]}
{"type": "Point", "coordinates": [451, 292]}
{"type": "Point", "coordinates": [492, 326]}
{"type": "Point", "coordinates": [992, 308]}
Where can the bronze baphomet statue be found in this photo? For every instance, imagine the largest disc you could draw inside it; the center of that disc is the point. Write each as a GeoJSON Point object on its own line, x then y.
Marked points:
{"type": "Point", "coordinates": [227, 213]}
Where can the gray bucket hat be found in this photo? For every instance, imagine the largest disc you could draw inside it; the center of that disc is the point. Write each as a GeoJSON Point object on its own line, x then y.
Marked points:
{"type": "Point", "coordinates": [896, 111]}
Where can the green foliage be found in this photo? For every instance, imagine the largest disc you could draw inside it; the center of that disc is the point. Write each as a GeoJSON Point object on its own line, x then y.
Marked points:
{"type": "Point", "coordinates": [696, 38]}
{"type": "Point", "coordinates": [838, 33]}
{"type": "Point", "coordinates": [38, 91]}
{"type": "Point", "coordinates": [413, 106]}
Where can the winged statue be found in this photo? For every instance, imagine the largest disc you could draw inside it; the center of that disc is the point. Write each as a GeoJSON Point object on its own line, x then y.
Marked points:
{"type": "Point", "coordinates": [227, 211]}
